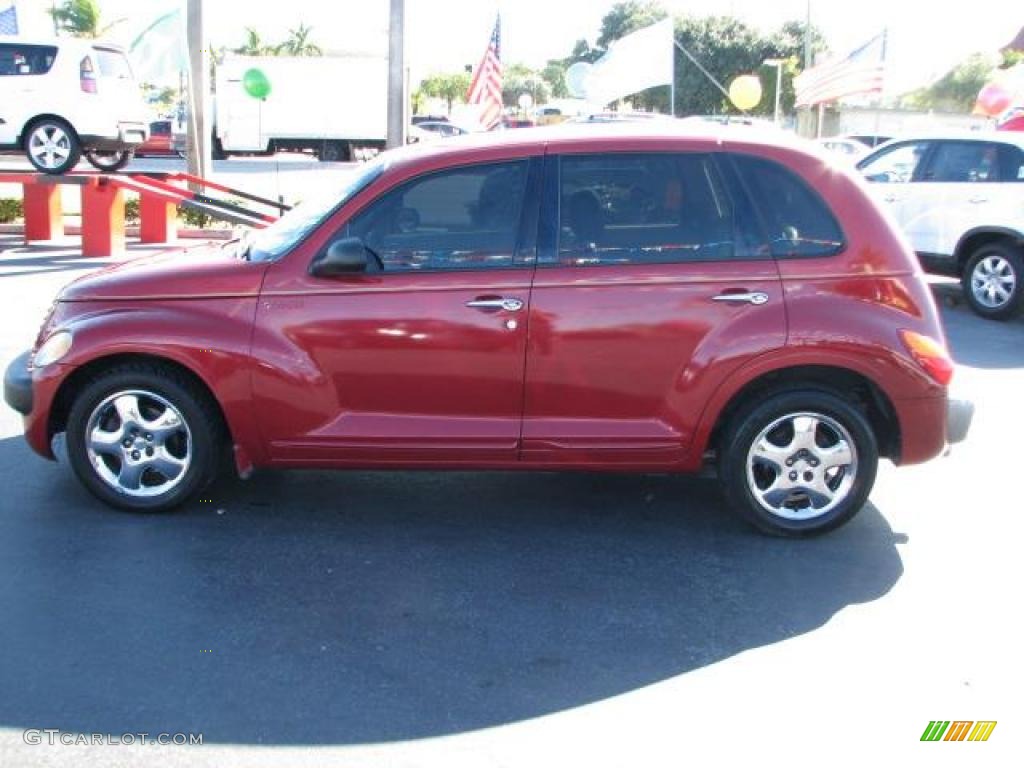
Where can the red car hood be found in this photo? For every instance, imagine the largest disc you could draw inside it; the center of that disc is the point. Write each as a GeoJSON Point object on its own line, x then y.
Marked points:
{"type": "Point", "coordinates": [207, 271]}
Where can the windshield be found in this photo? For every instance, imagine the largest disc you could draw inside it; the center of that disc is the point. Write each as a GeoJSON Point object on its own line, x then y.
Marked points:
{"type": "Point", "coordinates": [279, 238]}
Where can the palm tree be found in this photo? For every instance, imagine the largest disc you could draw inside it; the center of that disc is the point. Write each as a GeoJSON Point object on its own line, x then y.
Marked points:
{"type": "Point", "coordinates": [298, 43]}
{"type": "Point", "coordinates": [80, 18]}
{"type": "Point", "coordinates": [254, 45]}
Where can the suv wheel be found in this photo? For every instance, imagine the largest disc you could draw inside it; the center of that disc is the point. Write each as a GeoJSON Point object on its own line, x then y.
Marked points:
{"type": "Point", "coordinates": [109, 161]}
{"type": "Point", "coordinates": [798, 463]}
{"type": "Point", "coordinates": [992, 281]}
{"type": "Point", "coordinates": [52, 146]}
{"type": "Point", "coordinates": [143, 438]}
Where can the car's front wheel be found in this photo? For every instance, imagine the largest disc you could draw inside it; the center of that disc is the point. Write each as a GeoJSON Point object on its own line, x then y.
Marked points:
{"type": "Point", "coordinates": [143, 437]}
{"type": "Point", "coordinates": [52, 146]}
{"type": "Point", "coordinates": [109, 162]}
{"type": "Point", "coordinates": [993, 281]}
{"type": "Point", "coordinates": [798, 463]}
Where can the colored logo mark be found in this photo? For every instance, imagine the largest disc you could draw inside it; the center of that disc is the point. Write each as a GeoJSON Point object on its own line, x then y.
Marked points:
{"type": "Point", "coordinates": [958, 730]}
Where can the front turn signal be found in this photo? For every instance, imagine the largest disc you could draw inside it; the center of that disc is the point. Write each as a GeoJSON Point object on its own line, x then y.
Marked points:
{"type": "Point", "coordinates": [931, 355]}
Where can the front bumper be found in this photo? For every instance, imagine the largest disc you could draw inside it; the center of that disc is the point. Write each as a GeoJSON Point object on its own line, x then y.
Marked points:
{"type": "Point", "coordinates": [18, 384]}
{"type": "Point", "coordinates": [959, 414]}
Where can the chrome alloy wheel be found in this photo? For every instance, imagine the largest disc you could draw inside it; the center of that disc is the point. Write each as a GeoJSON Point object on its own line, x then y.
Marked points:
{"type": "Point", "coordinates": [993, 281]}
{"type": "Point", "coordinates": [138, 443]}
{"type": "Point", "coordinates": [49, 146]}
{"type": "Point", "coordinates": [802, 466]}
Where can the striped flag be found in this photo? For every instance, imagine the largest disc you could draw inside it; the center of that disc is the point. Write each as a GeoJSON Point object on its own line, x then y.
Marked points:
{"type": "Point", "coordinates": [861, 72]}
{"type": "Point", "coordinates": [9, 21]}
{"type": "Point", "coordinates": [485, 89]}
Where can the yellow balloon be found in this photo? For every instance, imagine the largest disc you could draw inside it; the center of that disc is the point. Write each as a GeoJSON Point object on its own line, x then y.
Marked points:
{"type": "Point", "coordinates": [745, 91]}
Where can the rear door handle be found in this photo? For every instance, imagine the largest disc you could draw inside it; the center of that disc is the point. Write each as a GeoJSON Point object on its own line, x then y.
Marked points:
{"type": "Point", "coordinates": [509, 304]}
{"type": "Point", "coordinates": [751, 297]}
{"type": "Point", "coordinates": [892, 199]}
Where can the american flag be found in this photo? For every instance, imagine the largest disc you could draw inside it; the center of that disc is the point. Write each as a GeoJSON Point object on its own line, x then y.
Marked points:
{"type": "Point", "coordinates": [485, 89]}
{"type": "Point", "coordinates": [9, 21]}
{"type": "Point", "coordinates": [862, 71]}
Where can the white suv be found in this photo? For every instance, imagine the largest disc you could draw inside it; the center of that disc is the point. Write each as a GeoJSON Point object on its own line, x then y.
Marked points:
{"type": "Point", "coordinates": [960, 202]}
{"type": "Point", "coordinates": [64, 98]}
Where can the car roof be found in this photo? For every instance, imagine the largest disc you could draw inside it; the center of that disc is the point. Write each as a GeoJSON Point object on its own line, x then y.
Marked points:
{"type": "Point", "coordinates": [62, 42]}
{"type": "Point", "coordinates": [578, 135]}
{"type": "Point", "coordinates": [1001, 137]}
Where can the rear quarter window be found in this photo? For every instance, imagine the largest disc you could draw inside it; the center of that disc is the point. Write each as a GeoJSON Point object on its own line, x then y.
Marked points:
{"type": "Point", "coordinates": [796, 220]}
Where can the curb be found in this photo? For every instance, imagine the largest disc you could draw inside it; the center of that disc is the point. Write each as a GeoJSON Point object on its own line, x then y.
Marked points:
{"type": "Point", "coordinates": [133, 231]}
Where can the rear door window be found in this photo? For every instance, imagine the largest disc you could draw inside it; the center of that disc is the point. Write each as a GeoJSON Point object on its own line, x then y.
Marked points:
{"type": "Point", "coordinates": [796, 221]}
{"type": "Point", "coordinates": [642, 208]}
{"type": "Point", "coordinates": [963, 161]}
{"type": "Point", "coordinates": [26, 59]}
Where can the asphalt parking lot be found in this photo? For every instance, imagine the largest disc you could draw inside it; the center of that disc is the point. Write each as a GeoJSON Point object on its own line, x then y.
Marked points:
{"type": "Point", "coordinates": [512, 619]}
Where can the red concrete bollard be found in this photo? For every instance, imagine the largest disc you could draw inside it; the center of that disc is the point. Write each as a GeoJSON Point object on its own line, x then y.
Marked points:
{"type": "Point", "coordinates": [102, 219]}
{"type": "Point", "coordinates": [158, 220]}
{"type": "Point", "coordinates": [44, 219]}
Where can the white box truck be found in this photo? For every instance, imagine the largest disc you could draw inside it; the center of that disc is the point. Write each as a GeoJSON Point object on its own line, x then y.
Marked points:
{"type": "Point", "coordinates": [335, 106]}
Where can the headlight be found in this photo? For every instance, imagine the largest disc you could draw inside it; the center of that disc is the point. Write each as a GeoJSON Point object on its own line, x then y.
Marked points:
{"type": "Point", "coordinates": [53, 349]}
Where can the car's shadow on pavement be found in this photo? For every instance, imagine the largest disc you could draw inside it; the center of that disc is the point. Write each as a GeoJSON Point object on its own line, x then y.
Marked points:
{"type": "Point", "coordinates": [325, 608]}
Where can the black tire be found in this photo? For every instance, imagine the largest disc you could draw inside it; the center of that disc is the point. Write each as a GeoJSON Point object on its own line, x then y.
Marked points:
{"type": "Point", "coordinates": [201, 416]}
{"type": "Point", "coordinates": [1000, 266]}
{"type": "Point", "coordinates": [48, 128]}
{"type": "Point", "coordinates": [853, 483]}
{"type": "Point", "coordinates": [109, 162]}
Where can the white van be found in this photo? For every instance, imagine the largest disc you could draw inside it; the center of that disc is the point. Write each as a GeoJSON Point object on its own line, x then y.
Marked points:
{"type": "Point", "coordinates": [63, 98]}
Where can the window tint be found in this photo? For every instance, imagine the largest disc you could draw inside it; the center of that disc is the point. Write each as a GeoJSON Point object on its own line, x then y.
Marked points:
{"type": "Point", "coordinates": [1011, 163]}
{"type": "Point", "coordinates": [958, 161]}
{"type": "Point", "coordinates": [464, 218]}
{"type": "Point", "coordinates": [642, 209]}
{"type": "Point", "coordinates": [796, 220]}
{"type": "Point", "coordinates": [26, 59]}
{"type": "Point", "coordinates": [896, 165]}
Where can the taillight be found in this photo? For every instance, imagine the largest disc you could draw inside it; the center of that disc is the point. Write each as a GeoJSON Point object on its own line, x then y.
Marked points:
{"type": "Point", "coordinates": [87, 76]}
{"type": "Point", "coordinates": [930, 354]}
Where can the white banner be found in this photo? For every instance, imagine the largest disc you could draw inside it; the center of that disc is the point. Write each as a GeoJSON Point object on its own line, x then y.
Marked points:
{"type": "Point", "coordinates": [640, 60]}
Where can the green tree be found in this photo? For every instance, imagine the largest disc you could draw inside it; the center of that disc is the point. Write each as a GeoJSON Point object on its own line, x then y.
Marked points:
{"type": "Point", "coordinates": [254, 45]}
{"type": "Point", "coordinates": [451, 87]}
{"type": "Point", "coordinates": [81, 18]}
{"type": "Point", "coordinates": [520, 79]}
{"type": "Point", "coordinates": [298, 44]}
{"type": "Point", "coordinates": [553, 75]}
{"type": "Point", "coordinates": [957, 90]}
{"type": "Point", "coordinates": [627, 17]}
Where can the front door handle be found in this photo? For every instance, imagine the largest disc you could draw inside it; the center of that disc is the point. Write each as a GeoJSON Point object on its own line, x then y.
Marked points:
{"type": "Point", "coordinates": [976, 200]}
{"type": "Point", "coordinates": [892, 199]}
{"type": "Point", "coordinates": [752, 297]}
{"type": "Point", "coordinates": [509, 304]}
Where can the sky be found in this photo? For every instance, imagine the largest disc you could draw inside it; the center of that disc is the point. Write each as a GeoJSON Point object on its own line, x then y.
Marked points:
{"type": "Point", "coordinates": [925, 39]}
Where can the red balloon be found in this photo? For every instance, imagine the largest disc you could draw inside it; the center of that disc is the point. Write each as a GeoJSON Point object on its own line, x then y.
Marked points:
{"type": "Point", "coordinates": [993, 99]}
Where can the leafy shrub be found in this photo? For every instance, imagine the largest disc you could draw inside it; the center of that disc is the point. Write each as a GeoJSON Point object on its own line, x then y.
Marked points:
{"type": "Point", "coordinates": [11, 208]}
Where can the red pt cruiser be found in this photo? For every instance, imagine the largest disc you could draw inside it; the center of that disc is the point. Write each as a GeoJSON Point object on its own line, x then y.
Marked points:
{"type": "Point", "coordinates": [622, 297]}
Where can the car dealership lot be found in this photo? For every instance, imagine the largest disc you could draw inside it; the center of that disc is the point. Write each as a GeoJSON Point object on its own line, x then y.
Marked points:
{"type": "Point", "coordinates": [513, 619]}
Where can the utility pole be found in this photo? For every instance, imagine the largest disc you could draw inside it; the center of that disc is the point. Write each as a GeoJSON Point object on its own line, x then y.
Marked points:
{"type": "Point", "coordinates": [199, 129]}
{"type": "Point", "coordinates": [396, 75]}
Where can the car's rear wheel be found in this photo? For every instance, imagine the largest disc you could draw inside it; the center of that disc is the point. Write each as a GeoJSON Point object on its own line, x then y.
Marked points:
{"type": "Point", "coordinates": [798, 463]}
{"type": "Point", "coordinates": [52, 145]}
{"type": "Point", "coordinates": [109, 161]}
{"type": "Point", "coordinates": [143, 437]}
{"type": "Point", "coordinates": [993, 281]}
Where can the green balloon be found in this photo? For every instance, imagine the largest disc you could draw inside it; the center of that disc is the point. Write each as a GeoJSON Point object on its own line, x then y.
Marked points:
{"type": "Point", "coordinates": [256, 83]}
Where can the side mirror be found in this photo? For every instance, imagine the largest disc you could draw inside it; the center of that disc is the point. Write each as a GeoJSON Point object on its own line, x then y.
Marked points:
{"type": "Point", "coordinates": [342, 257]}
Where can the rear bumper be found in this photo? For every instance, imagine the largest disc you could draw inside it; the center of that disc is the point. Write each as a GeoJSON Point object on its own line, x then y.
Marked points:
{"type": "Point", "coordinates": [959, 414]}
{"type": "Point", "coordinates": [18, 384]}
{"type": "Point", "coordinates": [129, 136]}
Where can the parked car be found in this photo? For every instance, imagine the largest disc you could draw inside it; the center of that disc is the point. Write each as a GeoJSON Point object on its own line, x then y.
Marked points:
{"type": "Point", "coordinates": [160, 142]}
{"type": "Point", "coordinates": [64, 98]}
{"type": "Point", "coordinates": [848, 149]}
{"type": "Point", "coordinates": [618, 297]}
{"type": "Point", "coordinates": [869, 140]}
{"type": "Point", "coordinates": [960, 201]}
{"type": "Point", "coordinates": [427, 130]}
